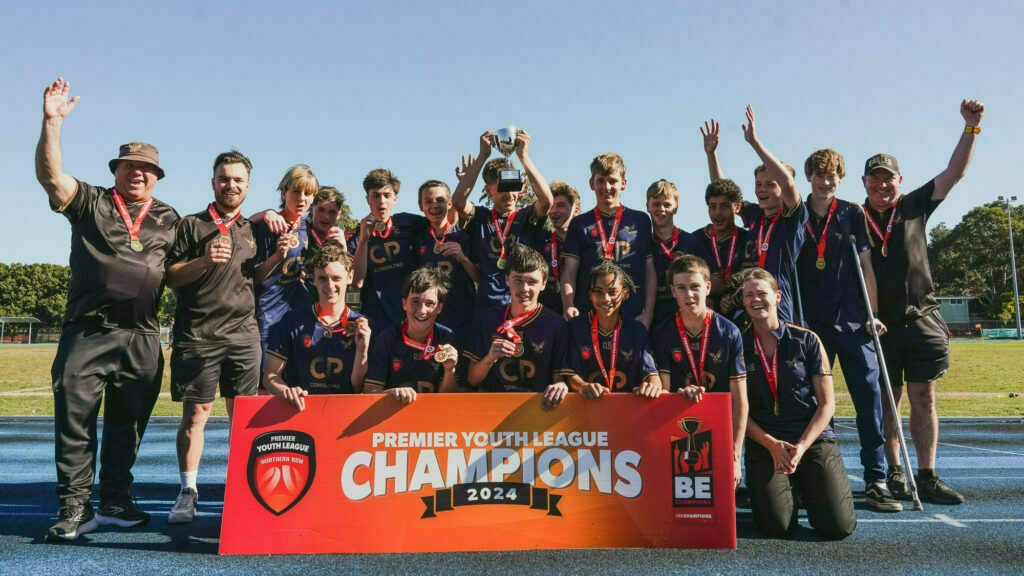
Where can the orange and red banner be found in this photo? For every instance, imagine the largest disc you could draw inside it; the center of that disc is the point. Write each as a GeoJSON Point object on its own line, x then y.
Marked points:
{"type": "Point", "coordinates": [457, 472]}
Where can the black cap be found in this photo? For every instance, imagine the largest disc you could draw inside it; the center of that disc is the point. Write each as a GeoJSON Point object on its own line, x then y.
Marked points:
{"type": "Point", "coordinates": [883, 161]}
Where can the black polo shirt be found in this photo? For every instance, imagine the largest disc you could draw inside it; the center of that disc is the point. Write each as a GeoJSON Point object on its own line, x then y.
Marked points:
{"type": "Point", "coordinates": [111, 284]}
{"type": "Point", "coordinates": [219, 305]}
{"type": "Point", "coordinates": [905, 289]}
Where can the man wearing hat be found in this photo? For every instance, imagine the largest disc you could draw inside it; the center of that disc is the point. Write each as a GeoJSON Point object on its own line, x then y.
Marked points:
{"type": "Point", "coordinates": [110, 341]}
{"type": "Point", "coordinates": [916, 345]}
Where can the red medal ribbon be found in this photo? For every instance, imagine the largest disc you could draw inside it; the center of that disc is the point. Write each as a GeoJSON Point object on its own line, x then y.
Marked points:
{"type": "Point", "coordinates": [507, 326]}
{"type": "Point", "coordinates": [609, 379]}
{"type": "Point", "coordinates": [697, 370]}
{"type": "Point", "coordinates": [554, 255]}
{"type": "Point", "coordinates": [727, 269]}
{"type": "Point", "coordinates": [772, 374]}
{"type": "Point", "coordinates": [500, 232]}
{"type": "Point", "coordinates": [605, 245]}
{"type": "Point", "coordinates": [443, 235]}
{"type": "Point", "coordinates": [762, 239]}
{"type": "Point", "coordinates": [225, 228]}
{"type": "Point", "coordinates": [316, 237]}
{"type": "Point", "coordinates": [427, 349]}
{"type": "Point", "coordinates": [385, 233]}
{"type": "Point", "coordinates": [675, 240]}
{"type": "Point", "coordinates": [823, 240]}
{"type": "Point", "coordinates": [888, 229]}
{"type": "Point", "coordinates": [133, 227]}
{"type": "Point", "coordinates": [342, 320]}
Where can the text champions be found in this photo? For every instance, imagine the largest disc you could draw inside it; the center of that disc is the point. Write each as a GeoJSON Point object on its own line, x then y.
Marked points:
{"type": "Point", "coordinates": [553, 459]}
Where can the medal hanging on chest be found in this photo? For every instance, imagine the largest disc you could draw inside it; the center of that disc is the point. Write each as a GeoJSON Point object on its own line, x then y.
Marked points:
{"type": "Point", "coordinates": [502, 233]}
{"type": "Point", "coordinates": [133, 227]}
{"type": "Point", "coordinates": [427, 349]}
{"type": "Point", "coordinates": [696, 369]}
{"type": "Point", "coordinates": [822, 240]}
{"type": "Point", "coordinates": [609, 375]}
{"type": "Point", "coordinates": [507, 330]}
{"type": "Point", "coordinates": [608, 241]}
{"type": "Point", "coordinates": [224, 227]}
{"type": "Point", "coordinates": [727, 269]}
{"type": "Point", "coordinates": [888, 228]}
{"type": "Point", "coordinates": [771, 369]}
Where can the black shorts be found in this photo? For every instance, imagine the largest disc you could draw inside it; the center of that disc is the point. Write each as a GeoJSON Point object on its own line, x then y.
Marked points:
{"type": "Point", "coordinates": [198, 370]}
{"type": "Point", "coordinates": [917, 350]}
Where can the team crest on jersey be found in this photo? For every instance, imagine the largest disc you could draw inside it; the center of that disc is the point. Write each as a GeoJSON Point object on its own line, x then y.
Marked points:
{"type": "Point", "coordinates": [396, 365]}
{"type": "Point", "coordinates": [677, 356]}
{"type": "Point", "coordinates": [593, 231]}
{"type": "Point", "coordinates": [307, 341]}
{"type": "Point", "coordinates": [538, 347]}
{"type": "Point", "coordinates": [627, 355]}
{"type": "Point", "coordinates": [281, 469]}
{"type": "Point", "coordinates": [716, 357]}
{"type": "Point", "coordinates": [585, 353]}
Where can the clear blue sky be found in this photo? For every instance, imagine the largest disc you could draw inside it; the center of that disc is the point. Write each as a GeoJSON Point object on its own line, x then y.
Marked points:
{"type": "Point", "coordinates": [410, 86]}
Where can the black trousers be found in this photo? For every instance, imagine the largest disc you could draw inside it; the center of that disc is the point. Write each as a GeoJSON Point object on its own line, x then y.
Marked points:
{"type": "Point", "coordinates": [128, 367]}
{"type": "Point", "coordinates": [821, 481]}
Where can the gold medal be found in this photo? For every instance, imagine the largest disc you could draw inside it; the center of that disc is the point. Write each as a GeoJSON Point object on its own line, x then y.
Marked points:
{"type": "Point", "coordinates": [520, 349]}
{"type": "Point", "coordinates": [441, 356]}
{"type": "Point", "coordinates": [819, 263]}
{"type": "Point", "coordinates": [501, 263]}
{"type": "Point", "coordinates": [225, 240]}
{"type": "Point", "coordinates": [136, 245]}
{"type": "Point", "coordinates": [437, 248]}
{"type": "Point", "coordinates": [350, 328]}
{"type": "Point", "coordinates": [380, 226]}
{"type": "Point", "coordinates": [885, 251]}
{"type": "Point", "coordinates": [294, 241]}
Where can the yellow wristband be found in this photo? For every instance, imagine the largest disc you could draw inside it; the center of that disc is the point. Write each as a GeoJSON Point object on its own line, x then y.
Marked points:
{"type": "Point", "coordinates": [972, 129]}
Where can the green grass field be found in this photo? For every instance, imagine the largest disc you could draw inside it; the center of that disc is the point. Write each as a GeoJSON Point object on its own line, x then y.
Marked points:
{"type": "Point", "coordinates": [979, 380]}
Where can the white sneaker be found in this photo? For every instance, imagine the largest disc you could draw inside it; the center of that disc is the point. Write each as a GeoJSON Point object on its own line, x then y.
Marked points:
{"type": "Point", "coordinates": [184, 509]}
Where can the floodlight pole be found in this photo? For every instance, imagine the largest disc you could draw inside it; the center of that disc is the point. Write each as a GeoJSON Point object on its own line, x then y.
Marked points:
{"type": "Point", "coordinates": [1013, 262]}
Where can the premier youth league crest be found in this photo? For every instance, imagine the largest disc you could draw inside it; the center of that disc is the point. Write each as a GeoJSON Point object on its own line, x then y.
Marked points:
{"type": "Point", "coordinates": [282, 465]}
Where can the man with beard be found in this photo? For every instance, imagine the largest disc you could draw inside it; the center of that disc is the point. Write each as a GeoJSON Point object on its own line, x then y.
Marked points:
{"type": "Point", "coordinates": [110, 341]}
{"type": "Point", "coordinates": [217, 339]}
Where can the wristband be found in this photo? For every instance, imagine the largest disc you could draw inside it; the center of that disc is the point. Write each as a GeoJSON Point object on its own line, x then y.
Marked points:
{"type": "Point", "coordinates": [972, 129]}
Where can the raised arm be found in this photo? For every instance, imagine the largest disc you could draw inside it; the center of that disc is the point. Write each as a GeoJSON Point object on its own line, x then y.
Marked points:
{"type": "Point", "coordinates": [710, 134]}
{"type": "Point", "coordinates": [778, 172]}
{"type": "Point", "coordinates": [59, 186]}
{"type": "Point", "coordinates": [972, 111]}
{"type": "Point", "coordinates": [467, 177]}
{"type": "Point", "coordinates": [537, 181]}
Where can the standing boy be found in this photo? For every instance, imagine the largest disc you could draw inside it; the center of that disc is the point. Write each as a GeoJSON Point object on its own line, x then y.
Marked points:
{"type": "Point", "coordinates": [564, 208]}
{"type": "Point", "coordinates": [670, 242]}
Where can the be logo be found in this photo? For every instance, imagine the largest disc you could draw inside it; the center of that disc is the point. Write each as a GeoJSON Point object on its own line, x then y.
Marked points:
{"type": "Point", "coordinates": [691, 466]}
{"type": "Point", "coordinates": [281, 469]}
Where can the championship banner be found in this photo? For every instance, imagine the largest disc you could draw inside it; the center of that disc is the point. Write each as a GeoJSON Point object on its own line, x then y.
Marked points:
{"type": "Point", "coordinates": [460, 472]}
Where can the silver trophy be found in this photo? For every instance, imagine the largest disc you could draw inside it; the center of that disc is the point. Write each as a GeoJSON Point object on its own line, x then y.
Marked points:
{"type": "Point", "coordinates": [509, 179]}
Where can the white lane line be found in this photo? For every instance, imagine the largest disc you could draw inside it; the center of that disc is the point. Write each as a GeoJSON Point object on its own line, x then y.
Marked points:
{"type": "Point", "coordinates": [933, 520]}
{"type": "Point", "coordinates": [981, 449]}
{"type": "Point", "coordinates": [947, 520]}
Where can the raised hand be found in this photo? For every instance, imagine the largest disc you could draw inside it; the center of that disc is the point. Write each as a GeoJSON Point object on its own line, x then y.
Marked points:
{"type": "Point", "coordinates": [55, 100]}
{"type": "Point", "coordinates": [710, 134]}
{"type": "Point", "coordinates": [971, 110]}
{"type": "Point", "coordinates": [460, 173]}
{"type": "Point", "coordinates": [486, 141]}
{"type": "Point", "coordinates": [748, 129]}
{"type": "Point", "coordinates": [522, 143]}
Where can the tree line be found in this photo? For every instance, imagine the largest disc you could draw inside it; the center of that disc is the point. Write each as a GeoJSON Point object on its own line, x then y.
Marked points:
{"type": "Point", "coordinates": [971, 259]}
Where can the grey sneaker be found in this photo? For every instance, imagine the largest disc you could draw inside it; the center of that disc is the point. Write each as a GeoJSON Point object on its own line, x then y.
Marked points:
{"type": "Point", "coordinates": [73, 519]}
{"type": "Point", "coordinates": [184, 509]}
{"type": "Point", "coordinates": [878, 498]}
{"type": "Point", "coordinates": [123, 512]}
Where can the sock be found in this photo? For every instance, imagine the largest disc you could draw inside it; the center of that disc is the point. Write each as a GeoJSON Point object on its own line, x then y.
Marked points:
{"type": "Point", "coordinates": [188, 480]}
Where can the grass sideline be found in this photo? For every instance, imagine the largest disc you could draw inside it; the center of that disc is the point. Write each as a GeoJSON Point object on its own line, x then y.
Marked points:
{"type": "Point", "coordinates": [979, 373]}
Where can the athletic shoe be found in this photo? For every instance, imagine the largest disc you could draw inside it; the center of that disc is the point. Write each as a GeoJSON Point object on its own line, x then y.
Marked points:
{"type": "Point", "coordinates": [184, 509]}
{"type": "Point", "coordinates": [933, 490]}
{"type": "Point", "coordinates": [123, 512]}
{"type": "Point", "coordinates": [877, 497]}
{"type": "Point", "coordinates": [73, 519]}
{"type": "Point", "coordinates": [896, 481]}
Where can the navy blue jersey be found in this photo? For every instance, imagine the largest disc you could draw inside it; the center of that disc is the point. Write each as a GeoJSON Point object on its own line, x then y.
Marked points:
{"type": "Point", "coordinates": [832, 296]}
{"type": "Point", "coordinates": [393, 364]}
{"type": "Point", "coordinates": [633, 247]}
{"type": "Point", "coordinates": [783, 248]}
{"type": "Point", "coordinates": [723, 362]}
{"type": "Point", "coordinates": [526, 228]}
{"type": "Point", "coordinates": [634, 361]}
{"type": "Point", "coordinates": [905, 289]}
{"type": "Point", "coordinates": [551, 297]}
{"type": "Point", "coordinates": [800, 356]}
{"type": "Point", "coordinates": [664, 304]}
{"type": "Point", "coordinates": [704, 237]}
{"type": "Point", "coordinates": [457, 313]}
{"type": "Point", "coordinates": [316, 359]}
{"type": "Point", "coordinates": [282, 289]}
{"type": "Point", "coordinates": [388, 261]}
{"type": "Point", "coordinates": [543, 351]}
